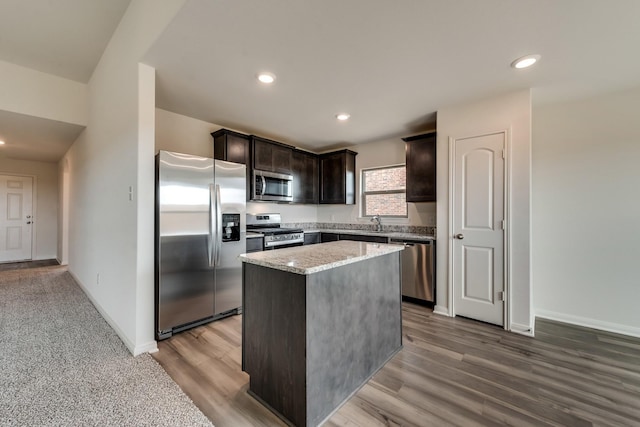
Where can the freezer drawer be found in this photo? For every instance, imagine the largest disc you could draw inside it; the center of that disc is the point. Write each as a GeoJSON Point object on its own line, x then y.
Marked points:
{"type": "Point", "coordinates": [186, 281]}
{"type": "Point", "coordinates": [418, 270]}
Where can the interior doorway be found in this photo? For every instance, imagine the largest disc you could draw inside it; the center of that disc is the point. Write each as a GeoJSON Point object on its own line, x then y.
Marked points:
{"type": "Point", "coordinates": [477, 222]}
{"type": "Point", "coordinates": [16, 218]}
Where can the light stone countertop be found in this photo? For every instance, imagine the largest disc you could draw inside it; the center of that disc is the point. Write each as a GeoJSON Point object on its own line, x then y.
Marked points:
{"type": "Point", "coordinates": [323, 256]}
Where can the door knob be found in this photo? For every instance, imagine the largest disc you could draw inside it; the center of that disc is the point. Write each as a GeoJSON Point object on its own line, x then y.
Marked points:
{"type": "Point", "coordinates": [459, 236]}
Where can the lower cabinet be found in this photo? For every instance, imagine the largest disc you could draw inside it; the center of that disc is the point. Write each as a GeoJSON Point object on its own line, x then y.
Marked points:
{"type": "Point", "coordinates": [333, 237]}
{"type": "Point", "coordinates": [364, 238]}
{"type": "Point", "coordinates": [255, 244]}
{"type": "Point", "coordinates": [329, 237]}
{"type": "Point", "coordinates": [311, 238]}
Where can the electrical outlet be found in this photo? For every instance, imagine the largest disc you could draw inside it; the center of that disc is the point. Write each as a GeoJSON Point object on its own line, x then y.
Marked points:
{"type": "Point", "coordinates": [333, 217]}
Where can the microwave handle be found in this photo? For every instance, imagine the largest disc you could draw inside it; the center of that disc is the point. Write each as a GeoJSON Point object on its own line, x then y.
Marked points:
{"type": "Point", "coordinates": [264, 185]}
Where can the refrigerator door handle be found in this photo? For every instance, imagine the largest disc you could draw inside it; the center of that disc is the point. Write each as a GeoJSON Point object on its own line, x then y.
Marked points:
{"type": "Point", "coordinates": [212, 225]}
{"type": "Point", "coordinates": [218, 229]}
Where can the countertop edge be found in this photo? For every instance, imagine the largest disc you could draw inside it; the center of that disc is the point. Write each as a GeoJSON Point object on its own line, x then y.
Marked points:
{"type": "Point", "coordinates": [323, 267]}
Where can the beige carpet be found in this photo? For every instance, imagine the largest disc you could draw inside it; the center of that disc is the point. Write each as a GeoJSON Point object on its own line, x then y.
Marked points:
{"type": "Point", "coordinates": [61, 364]}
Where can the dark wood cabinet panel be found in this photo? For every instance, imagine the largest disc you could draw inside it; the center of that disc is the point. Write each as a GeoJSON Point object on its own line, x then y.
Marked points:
{"type": "Point", "coordinates": [231, 146]}
{"type": "Point", "coordinates": [338, 177]}
{"type": "Point", "coordinates": [364, 238]}
{"type": "Point", "coordinates": [311, 238]}
{"type": "Point", "coordinates": [304, 168]}
{"type": "Point", "coordinates": [329, 237]}
{"type": "Point", "coordinates": [421, 167]}
{"type": "Point", "coordinates": [255, 244]}
{"type": "Point", "coordinates": [270, 155]}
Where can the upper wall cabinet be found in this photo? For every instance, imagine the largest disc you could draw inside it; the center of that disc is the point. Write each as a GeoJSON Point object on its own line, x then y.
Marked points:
{"type": "Point", "coordinates": [270, 155]}
{"type": "Point", "coordinates": [231, 146]}
{"type": "Point", "coordinates": [304, 168]}
{"type": "Point", "coordinates": [338, 177]}
{"type": "Point", "coordinates": [421, 167]}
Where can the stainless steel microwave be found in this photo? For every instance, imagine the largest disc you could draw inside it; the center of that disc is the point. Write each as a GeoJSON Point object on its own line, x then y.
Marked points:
{"type": "Point", "coordinates": [271, 186]}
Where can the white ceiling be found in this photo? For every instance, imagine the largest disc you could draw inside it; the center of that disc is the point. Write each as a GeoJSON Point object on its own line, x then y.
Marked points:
{"type": "Point", "coordinates": [65, 38]}
{"type": "Point", "coordinates": [35, 138]}
{"type": "Point", "coordinates": [390, 64]}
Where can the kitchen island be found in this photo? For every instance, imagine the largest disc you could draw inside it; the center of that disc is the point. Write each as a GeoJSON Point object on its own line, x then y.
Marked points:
{"type": "Point", "coordinates": [318, 322]}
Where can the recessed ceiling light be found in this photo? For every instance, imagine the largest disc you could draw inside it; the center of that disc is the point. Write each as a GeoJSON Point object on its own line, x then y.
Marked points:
{"type": "Point", "coordinates": [525, 61]}
{"type": "Point", "coordinates": [266, 78]}
{"type": "Point", "coordinates": [1, 142]}
{"type": "Point", "coordinates": [343, 116]}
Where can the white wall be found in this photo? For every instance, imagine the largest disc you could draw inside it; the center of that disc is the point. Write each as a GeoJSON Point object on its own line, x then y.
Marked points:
{"type": "Point", "coordinates": [111, 180]}
{"type": "Point", "coordinates": [376, 154]}
{"type": "Point", "coordinates": [586, 211]}
{"type": "Point", "coordinates": [510, 112]}
{"type": "Point", "coordinates": [182, 134]}
{"type": "Point", "coordinates": [63, 211]}
{"type": "Point", "coordinates": [46, 200]}
{"type": "Point", "coordinates": [39, 94]}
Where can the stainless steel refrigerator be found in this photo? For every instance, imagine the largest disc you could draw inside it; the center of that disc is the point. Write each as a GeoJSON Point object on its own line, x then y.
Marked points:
{"type": "Point", "coordinates": [200, 231]}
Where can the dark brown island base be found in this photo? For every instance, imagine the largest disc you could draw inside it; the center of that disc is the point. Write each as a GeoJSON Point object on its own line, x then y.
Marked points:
{"type": "Point", "coordinates": [318, 322]}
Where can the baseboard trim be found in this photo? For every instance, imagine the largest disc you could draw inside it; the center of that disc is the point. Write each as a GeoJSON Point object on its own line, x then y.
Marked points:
{"type": "Point", "coordinates": [150, 347]}
{"type": "Point", "coordinates": [443, 311]}
{"type": "Point", "coordinates": [518, 328]}
{"type": "Point", "coordinates": [616, 328]}
{"type": "Point", "coordinates": [130, 346]}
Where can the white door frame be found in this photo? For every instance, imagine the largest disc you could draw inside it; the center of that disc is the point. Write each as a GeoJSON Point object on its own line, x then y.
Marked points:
{"type": "Point", "coordinates": [506, 234]}
{"type": "Point", "coordinates": [34, 206]}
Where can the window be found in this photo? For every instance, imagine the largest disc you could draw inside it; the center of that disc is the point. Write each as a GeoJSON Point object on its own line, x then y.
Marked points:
{"type": "Point", "coordinates": [384, 191]}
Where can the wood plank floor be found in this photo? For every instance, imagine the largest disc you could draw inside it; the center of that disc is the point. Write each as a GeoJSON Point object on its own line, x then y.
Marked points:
{"type": "Point", "coordinates": [450, 372]}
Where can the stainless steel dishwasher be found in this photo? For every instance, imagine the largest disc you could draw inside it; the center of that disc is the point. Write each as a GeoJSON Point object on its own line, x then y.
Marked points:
{"type": "Point", "coordinates": [417, 269]}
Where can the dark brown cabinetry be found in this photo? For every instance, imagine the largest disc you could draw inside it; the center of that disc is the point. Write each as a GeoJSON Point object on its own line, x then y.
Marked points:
{"type": "Point", "coordinates": [231, 146]}
{"type": "Point", "coordinates": [364, 238]}
{"type": "Point", "coordinates": [327, 178]}
{"type": "Point", "coordinates": [311, 238]}
{"type": "Point", "coordinates": [329, 237]}
{"type": "Point", "coordinates": [255, 244]}
{"type": "Point", "coordinates": [338, 177]}
{"type": "Point", "coordinates": [421, 167]}
{"type": "Point", "coordinates": [270, 155]}
{"type": "Point", "coordinates": [304, 168]}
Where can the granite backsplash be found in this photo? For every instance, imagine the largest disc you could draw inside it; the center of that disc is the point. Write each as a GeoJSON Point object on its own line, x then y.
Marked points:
{"type": "Point", "coordinates": [417, 229]}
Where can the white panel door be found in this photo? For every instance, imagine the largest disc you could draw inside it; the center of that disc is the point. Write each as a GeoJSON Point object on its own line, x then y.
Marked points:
{"type": "Point", "coordinates": [16, 217]}
{"type": "Point", "coordinates": [478, 235]}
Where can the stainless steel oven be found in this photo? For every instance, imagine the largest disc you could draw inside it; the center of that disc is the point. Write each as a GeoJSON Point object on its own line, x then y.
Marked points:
{"type": "Point", "coordinates": [271, 186]}
{"type": "Point", "coordinates": [275, 237]}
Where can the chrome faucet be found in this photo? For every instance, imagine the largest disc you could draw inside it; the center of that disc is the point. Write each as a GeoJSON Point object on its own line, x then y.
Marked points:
{"type": "Point", "coordinates": [376, 219]}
